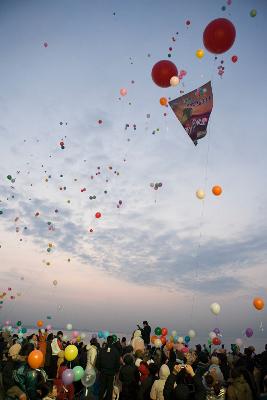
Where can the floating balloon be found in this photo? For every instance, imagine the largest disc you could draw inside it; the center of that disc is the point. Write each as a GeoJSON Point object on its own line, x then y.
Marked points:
{"type": "Point", "coordinates": [157, 343]}
{"type": "Point", "coordinates": [200, 194]}
{"type": "Point", "coordinates": [45, 44]}
{"type": "Point", "coordinates": [67, 377]}
{"type": "Point", "coordinates": [100, 334]}
{"type": "Point", "coordinates": [89, 378]}
{"type": "Point", "coordinates": [158, 331]}
{"type": "Point", "coordinates": [164, 331]}
{"type": "Point", "coordinates": [185, 350]}
{"type": "Point", "coordinates": [98, 215]}
{"type": "Point", "coordinates": [253, 13]}
{"type": "Point", "coordinates": [69, 327]}
{"type": "Point", "coordinates": [163, 101]}
{"type": "Point", "coordinates": [216, 341]}
{"type": "Point", "coordinates": [174, 81]}
{"type": "Point", "coordinates": [123, 92]}
{"type": "Point", "coordinates": [258, 303]}
{"type": "Point", "coordinates": [71, 352]}
{"type": "Point", "coordinates": [249, 332]}
{"type": "Point", "coordinates": [191, 333]}
{"type": "Point", "coordinates": [187, 339]}
{"type": "Point", "coordinates": [215, 308]}
{"type": "Point", "coordinates": [162, 72]}
{"type": "Point", "coordinates": [217, 190]}
{"type": "Point", "coordinates": [234, 59]}
{"type": "Point", "coordinates": [78, 373]}
{"type": "Point", "coordinates": [200, 53]}
{"type": "Point", "coordinates": [105, 334]}
{"type": "Point", "coordinates": [35, 359]}
{"type": "Point", "coordinates": [163, 340]}
{"type": "Point", "coordinates": [75, 334]}
{"type": "Point", "coordinates": [174, 333]}
{"type": "Point", "coordinates": [115, 338]}
{"type": "Point", "coordinates": [153, 338]}
{"type": "Point", "coordinates": [40, 323]}
{"type": "Point", "coordinates": [180, 340]}
{"type": "Point", "coordinates": [217, 331]}
{"type": "Point", "coordinates": [219, 36]}
{"type": "Point", "coordinates": [212, 335]}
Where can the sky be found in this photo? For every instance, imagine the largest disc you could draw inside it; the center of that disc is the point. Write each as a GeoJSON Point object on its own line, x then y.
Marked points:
{"type": "Point", "coordinates": [162, 256]}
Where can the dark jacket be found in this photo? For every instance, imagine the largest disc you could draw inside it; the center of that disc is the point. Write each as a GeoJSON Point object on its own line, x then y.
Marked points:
{"type": "Point", "coordinates": [146, 331]}
{"type": "Point", "coordinates": [201, 368]}
{"type": "Point", "coordinates": [48, 354]}
{"type": "Point", "coordinates": [27, 380]}
{"type": "Point", "coordinates": [108, 361]}
{"type": "Point", "coordinates": [7, 374]}
{"type": "Point", "coordinates": [169, 390]}
{"type": "Point", "coordinates": [145, 388]}
{"type": "Point", "coordinates": [239, 390]}
{"type": "Point", "coordinates": [129, 377]}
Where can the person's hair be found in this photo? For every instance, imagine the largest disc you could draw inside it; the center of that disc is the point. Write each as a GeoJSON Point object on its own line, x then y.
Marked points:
{"type": "Point", "coordinates": [209, 379]}
{"type": "Point", "coordinates": [203, 357]}
{"type": "Point", "coordinates": [215, 360]}
{"type": "Point", "coordinates": [93, 342]}
{"type": "Point", "coordinates": [236, 373]}
{"type": "Point", "coordinates": [198, 347]}
{"type": "Point", "coordinates": [153, 369]}
{"type": "Point", "coordinates": [60, 333]}
{"type": "Point", "coordinates": [50, 337]}
{"type": "Point", "coordinates": [139, 354]}
{"type": "Point", "coordinates": [123, 339]}
{"type": "Point", "coordinates": [110, 340]}
{"type": "Point", "coordinates": [26, 349]}
{"type": "Point", "coordinates": [145, 323]}
{"type": "Point", "coordinates": [128, 359]}
{"type": "Point", "coordinates": [128, 349]}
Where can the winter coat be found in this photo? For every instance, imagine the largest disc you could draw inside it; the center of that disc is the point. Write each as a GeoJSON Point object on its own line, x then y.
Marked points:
{"type": "Point", "coordinates": [145, 388]}
{"type": "Point", "coordinates": [129, 377]}
{"type": "Point", "coordinates": [156, 392]}
{"type": "Point", "coordinates": [56, 346]}
{"type": "Point", "coordinates": [201, 368]}
{"type": "Point", "coordinates": [239, 390]}
{"type": "Point", "coordinates": [170, 388]}
{"type": "Point", "coordinates": [137, 342]}
{"type": "Point", "coordinates": [91, 356]}
{"type": "Point", "coordinates": [26, 380]}
{"type": "Point", "coordinates": [7, 374]}
{"type": "Point", "coordinates": [146, 332]}
{"type": "Point", "coordinates": [218, 371]}
{"type": "Point", "coordinates": [48, 354]}
{"type": "Point", "coordinates": [144, 371]}
{"type": "Point", "coordinates": [108, 361]}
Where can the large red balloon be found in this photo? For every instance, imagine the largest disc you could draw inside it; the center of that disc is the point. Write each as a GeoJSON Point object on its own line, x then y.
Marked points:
{"type": "Point", "coordinates": [219, 35]}
{"type": "Point", "coordinates": [162, 72]}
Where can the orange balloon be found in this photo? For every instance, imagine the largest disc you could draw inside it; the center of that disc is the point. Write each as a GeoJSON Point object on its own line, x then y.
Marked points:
{"type": "Point", "coordinates": [217, 190]}
{"type": "Point", "coordinates": [35, 359]}
{"type": "Point", "coordinates": [163, 340]}
{"type": "Point", "coordinates": [258, 303]}
{"type": "Point", "coordinates": [40, 323]}
{"type": "Point", "coordinates": [163, 101]}
{"type": "Point", "coordinates": [153, 338]}
{"type": "Point", "coordinates": [169, 345]}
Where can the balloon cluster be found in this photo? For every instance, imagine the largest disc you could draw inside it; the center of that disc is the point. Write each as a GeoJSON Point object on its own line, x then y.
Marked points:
{"type": "Point", "coordinates": [156, 186]}
{"type": "Point", "coordinates": [62, 145]}
{"type": "Point", "coordinates": [119, 204]}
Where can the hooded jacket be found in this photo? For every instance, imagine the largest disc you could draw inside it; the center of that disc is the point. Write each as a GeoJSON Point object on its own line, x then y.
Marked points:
{"type": "Point", "coordinates": [239, 390]}
{"type": "Point", "coordinates": [138, 342]}
{"type": "Point", "coordinates": [91, 356]}
{"type": "Point", "coordinates": [158, 386]}
{"type": "Point", "coordinates": [129, 377]}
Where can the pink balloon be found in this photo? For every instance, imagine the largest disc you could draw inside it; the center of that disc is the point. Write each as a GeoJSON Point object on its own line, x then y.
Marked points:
{"type": "Point", "coordinates": [123, 92]}
{"type": "Point", "coordinates": [185, 350]}
{"type": "Point", "coordinates": [75, 334]}
{"type": "Point", "coordinates": [49, 327]}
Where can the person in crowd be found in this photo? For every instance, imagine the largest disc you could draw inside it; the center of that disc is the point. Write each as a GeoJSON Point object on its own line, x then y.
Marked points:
{"type": "Point", "coordinates": [33, 340]}
{"type": "Point", "coordinates": [56, 347]}
{"type": "Point", "coordinates": [214, 365]}
{"type": "Point", "coordinates": [156, 392]}
{"type": "Point", "coordinates": [48, 391]}
{"type": "Point", "coordinates": [42, 343]}
{"type": "Point", "coordinates": [91, 354]}
{"type": "Point", "coordinates": [238, 389]}
{"type": "Point", "coordinates": [129, 378]}
{"type": "Point", "coordinates": [145, 332]}
{"type": "Point", "coordinates": [224, 366]}
{"type": "Point", "coordinates": [184, 384]}
{"type": "Point", "coordinates": [146, 385]}
{"type": "Point", "coordinates": [202, 364]}
{"type": "Point", "coordinates": [108, 364]}
{"type": "Point", "coordinates": [214, 388]}
{"type": "Point", "coordinates": [123, 343]}
{"type": "Point", "coordinates": [64, 392]}
{"type": "Point", "coordinates": [48, 355]}
{"type": "Point", "coordinates": [137, 341]}
{"type": "Point", "coordinates": [10, 386]}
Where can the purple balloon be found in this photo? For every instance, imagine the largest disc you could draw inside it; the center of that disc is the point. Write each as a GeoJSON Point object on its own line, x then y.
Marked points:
{"type": "Point", "coordinates": [217, 331]}
{"type": "Point", "coordinates": [67, 376]}
{"type": "Point", "coordinates": [249, 332]}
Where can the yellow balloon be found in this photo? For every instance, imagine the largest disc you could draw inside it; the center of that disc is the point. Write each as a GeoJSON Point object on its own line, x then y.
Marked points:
{"type": "Point", "coordinates": [200, 53]}
{"type": "Point", "coordinates": [71, 352]}
{"type": "Point", "coordinates": [200, 194]}
{"type": "Point", "coordinates": [171, 339]}
{"type": "Point", "coordinates": [78, 339]}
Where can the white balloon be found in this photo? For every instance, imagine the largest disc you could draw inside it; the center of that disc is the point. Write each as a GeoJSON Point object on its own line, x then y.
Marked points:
{"type": "Point", "coordinates": [239, 342]}
{"type": "Point", "coordinates": [69, 327]}
{"type": "Point", "coordinates": [174, 333]}
{"type": "Point", "coordinates": [200, 194]}
{"type": "Point", "coordinates": [157, 343]}
{"type": "Point", "coordinates": [83, 335]}
{"type": "Point", "coordinates": [180, 339]}
{"type": "Point", "coordinates": [215, 308]}
{"type": "Point", "coordinates": [174, 81]}
{"type": "Point", "coordinates": [191, 333]}
{"type": "Point", "coordinates": [212, 335]}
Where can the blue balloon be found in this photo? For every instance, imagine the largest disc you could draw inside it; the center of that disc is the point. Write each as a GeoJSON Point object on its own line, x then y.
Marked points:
{"type": "Point", "coordinates": [106, 334]}
{"type": "Point", "coordinates": [100, 334]}
{"type": "Point", "coordinates": [187, 339]}
{"type": "Point", "coordinates": [175, 339]}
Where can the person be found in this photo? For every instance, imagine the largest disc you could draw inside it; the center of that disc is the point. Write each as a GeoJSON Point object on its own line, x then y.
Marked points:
{"type": "Point", "coordinates": [42, 343]}
{"type": "Point", "coordinates": [33, 340]}
{"type": "Point", "coordinates": [11, 388]}
{"type": "Point", "coordinates": [48, 391]}
{"type": "Point", "coordinates": [48, 355]}
{"type": "Point", "coordinates": [184, 384]}
{"type": "Point", "coordinates": [108, 364]}
{"type": "Point", "coordinates": [137, 341]}
{"type": "Point", "coordinates": [215, 390]}
{"type": "Point", "coordinates": [56, 346]}
{"type": "Point", "coordinates": [202, 364]}
{"type": "Point", "coordinates": [129, 378]}
{"type": "Point", "coordinates": [145, 332]}
{"type": "Point", "coordinates": [214, 365]}
{"type": "Point", "coordinates": [146, 385]}
{"type": "Point", "coordinates": [238, 389]}
{"type": "Point", "coordinates": [156, 392]}
{"type": "Point", "coordinates": [123, 343]}
{"type": "Point", "coordinates": [2, 346]}
{"type": "Point", "coordinates": [91, 354]}
{"type": "Point", "coordinates": [64, 392]}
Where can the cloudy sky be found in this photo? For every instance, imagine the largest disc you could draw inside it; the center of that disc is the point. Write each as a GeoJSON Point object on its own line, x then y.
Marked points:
{"type": "Point", "coordinates": [162, 256]}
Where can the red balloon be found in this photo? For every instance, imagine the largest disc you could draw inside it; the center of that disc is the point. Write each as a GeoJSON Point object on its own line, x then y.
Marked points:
{"type": "Point", "coordinates": [162, 72]}
{"type": "Point", "coordinates": [219, 35]}
{"type": "Point", "coordinates": [163, 340]}
{"type": "Point", "coordinates": [216, 341]}
{"type": "Point", "coordinates": [164, 331]}
{"type": "Point", "coordinates": [98, 215]}
{"type": "Point", "coordinates": [234, 59]}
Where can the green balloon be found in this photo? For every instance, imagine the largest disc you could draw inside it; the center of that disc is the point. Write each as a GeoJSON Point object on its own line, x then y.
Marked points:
{"type": "Point", "coordinates": [115, 338]}
{"type": "Point", "coordinates": [9, 177]}
{"type": "Point", "coordinates": [253, 13]}
{"type": "Point", "coordinates": [209, 341]}
{"type": "Point", "coordinates": [78, 373]}
{"type": "Point", "coordinates": [19, 323]}
{"type": "Point", "coordinates": [23, 330]}
{"type": "Point", "coordinates": [158, 331]}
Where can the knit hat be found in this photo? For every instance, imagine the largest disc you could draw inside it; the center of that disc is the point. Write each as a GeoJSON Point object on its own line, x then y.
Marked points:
{"type": "Point", "coordinates": [14, 351]}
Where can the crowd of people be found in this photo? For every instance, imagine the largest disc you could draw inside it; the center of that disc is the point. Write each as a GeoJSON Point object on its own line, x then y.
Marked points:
{"type": "Point", "coordinates": [130, 371]}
